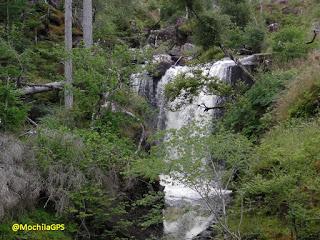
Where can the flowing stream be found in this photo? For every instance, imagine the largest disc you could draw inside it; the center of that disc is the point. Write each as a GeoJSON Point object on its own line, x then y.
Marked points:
{"type": "Point", "coordinates": [186, 215]}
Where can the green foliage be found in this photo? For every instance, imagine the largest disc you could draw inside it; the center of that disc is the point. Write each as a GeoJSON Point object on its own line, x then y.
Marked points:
{"type": "Point", "coordinates": [209, 30]}
{"type": "Point", "coordinates": [252, 37]}
{"type": "Point", "coordinates": [99, 73]}
{"type": "Point", "coordinates": [289, 43]}
{"type": "Point", "coordinates": [249, 114]}
{"type": "Point", "coordinates": [155, 215]}
{"type": "Point", "coordinates": [213, 53]}
{"type": "Point", "coordinates": [13, 10]}
{"type": "Point", "coordinates": [13, 112]}
{"type": "Point", "coordinates": [96, 162]}
{"type": "Point", "coordinates": [302, 96]}
{"type": "Point", "coordinates": [187, 86]}
{"type": "Point", "coordinates": [308, 104]}
{"type": "Point", "coordinates": [109, 217]}
{"type": "Point", "coordinates": [239, 11]}
{"type": "Point", "coordinates": [93, 206]}
{"type": "Point", "coordinates": [119, 21]}
{"type": "Point", "coordinates": [43, 62]}
{"type": "Point", "coordinates": [38, 216]}
{"type": "Point", "coordinates": [58, 147]}
{"type": "Point", "coordinates": [283, 178]}
{"type": "Point", "coordinates": [171, 10]}
{"type": "Point", "coordinates": [197, 152]}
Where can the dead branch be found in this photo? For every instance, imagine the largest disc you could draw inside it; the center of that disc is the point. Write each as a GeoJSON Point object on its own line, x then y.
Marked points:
{"type": "Point", "coordinates": [32, 122]}
{"type": "Point", "coordinates": [315, 32]}
{"type": "Point", "coordinates": [178, 61]}
{"type": "Point", "coordinates": [206, 109]}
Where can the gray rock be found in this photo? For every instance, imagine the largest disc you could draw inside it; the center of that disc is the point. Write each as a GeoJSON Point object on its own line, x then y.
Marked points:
{"type": "Point", "coordinates": [273, 27]}
{"type": "Point", "coordinates": [162, 63]}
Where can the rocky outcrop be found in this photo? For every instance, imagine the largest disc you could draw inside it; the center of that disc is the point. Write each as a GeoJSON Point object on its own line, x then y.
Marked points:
{"type": "Point", "coordinates": [172, 33]}
{"type": "Point", "coordinates": [207, 234]}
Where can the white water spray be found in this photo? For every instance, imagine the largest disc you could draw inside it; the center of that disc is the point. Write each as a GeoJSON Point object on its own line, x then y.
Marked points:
{"type": "Point", "coordinates": [186, 214]}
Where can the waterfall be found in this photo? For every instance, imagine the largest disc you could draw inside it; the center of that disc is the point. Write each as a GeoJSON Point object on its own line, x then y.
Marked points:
{"type": "Point", "coordinates": [186, 214]}
{"type": "Point", "coordinates": [175, 120]}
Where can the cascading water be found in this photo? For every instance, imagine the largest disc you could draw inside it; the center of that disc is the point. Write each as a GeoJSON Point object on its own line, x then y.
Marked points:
{"type": "Point", "coordinates": [186, 214]}
{"type": "Point", "coordinates": [191, 216]}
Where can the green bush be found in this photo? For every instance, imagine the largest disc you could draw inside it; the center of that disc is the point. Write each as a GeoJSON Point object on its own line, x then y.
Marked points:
{"type": "Point", "coordinates": [289, 43]}
{"type": "Point", "coordinates": [283, 179]}
{"type": "Point", "coordinates": [248, 114]}
{"type": "Point", "coordinates": [238, 10]}
{"type": "Point", "coordinates": [252, 37]}
{"type": "Point", "coordinates": [208, 32]}
{"type": "Point", "coordinates": [13, 112]}
{"type": "Point", "coordinates": [37, 216]}
{"type": "Point", "coordinates": [213, 53]}
{"type": "Point", "coordinates": [301, 98]}
{"type": "Point", "coordinates": [308, 105]}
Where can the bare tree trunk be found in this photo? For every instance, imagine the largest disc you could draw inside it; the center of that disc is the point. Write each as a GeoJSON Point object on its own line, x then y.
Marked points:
{"type": "Point", "coordinates": [87, 23]}
{"type": "Point", "coordinates": [187, 12]}
{"type": "Point", "coordinates": [68, 94]}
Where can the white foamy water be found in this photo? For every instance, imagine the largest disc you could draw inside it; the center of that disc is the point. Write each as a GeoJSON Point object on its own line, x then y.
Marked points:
{"type": "Point", "coordinates": [186, 214]}
{"type": "Point", "coordinates": [194, 216]}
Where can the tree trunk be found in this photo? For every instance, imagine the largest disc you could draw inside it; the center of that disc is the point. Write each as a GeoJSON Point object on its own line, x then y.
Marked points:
{"type": "Point", "coordinates": [68, 94]}
{"type": "Point", "coordinates": [87, 23]}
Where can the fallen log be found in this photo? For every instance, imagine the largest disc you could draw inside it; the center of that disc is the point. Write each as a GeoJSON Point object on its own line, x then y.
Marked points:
{"type": "Point", "coordinates": [33, 89]}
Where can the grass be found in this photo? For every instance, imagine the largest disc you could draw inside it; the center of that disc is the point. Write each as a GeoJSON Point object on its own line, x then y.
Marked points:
{"type": "Point", "coordinates": [302, 96]}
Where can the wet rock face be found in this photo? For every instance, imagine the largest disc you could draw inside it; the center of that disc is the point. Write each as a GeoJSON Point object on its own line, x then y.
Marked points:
{"type": "Point", "coordinates": [237, 74]}
{"type": "Point", "coordinates": [162, 63]}
{"type": "Point", "coordinates": [19, 186]}
{"type": "Point", "coordinates": [207, 234]}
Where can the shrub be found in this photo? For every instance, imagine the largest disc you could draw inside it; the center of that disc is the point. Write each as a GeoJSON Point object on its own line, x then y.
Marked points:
{"type": "Point", "coordinates": [213, 53]}
{"type": "Point", "coordinates": [252, 38]}
{"type": "Point", "coordinates": [239, 11]}
{"type": "Point", "coordinates": [283, 178]}
{"type": "Point", "coordinates": [209, 31]}
{"type": "Point", "coordinates": [301, 99]}
{"type": "Point", "coordinates": [38, 216]}
{"type": "Point", "coordinates": [13, 112]}
{"type": "Point", "coordinates": [248, 114]}
{"type": "Point", "coordinates": [289, 43]}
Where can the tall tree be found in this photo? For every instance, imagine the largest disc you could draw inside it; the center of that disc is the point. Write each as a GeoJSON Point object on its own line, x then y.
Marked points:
{"type": "Point", "coordinates": [87, 23]}
{"type": "Point", "coordinates": [68, 94]}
